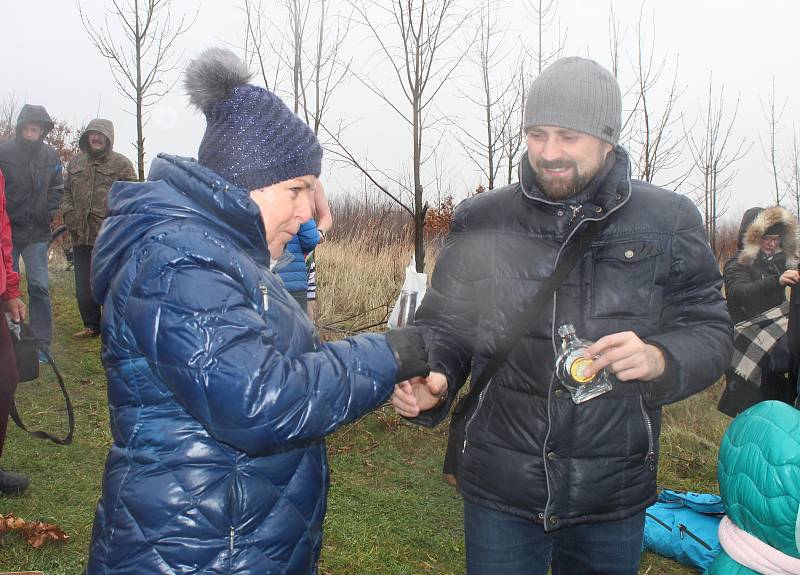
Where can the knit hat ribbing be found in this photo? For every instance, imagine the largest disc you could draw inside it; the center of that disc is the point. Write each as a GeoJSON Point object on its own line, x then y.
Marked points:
{"type": "Point", "coordinates": [577, 94]}
{"type": "Point", "coordinates": [252, 138]}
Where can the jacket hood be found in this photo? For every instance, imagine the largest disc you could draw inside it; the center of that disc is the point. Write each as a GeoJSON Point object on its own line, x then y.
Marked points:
{"type": "Point", "coordinates": [756, 222]}
{"type": "Point", "coordinates": [101, 125]}
{"type": "Point", "coordinates": [34, 113]}
{"type": "Point", "coordinates": [178, 190]}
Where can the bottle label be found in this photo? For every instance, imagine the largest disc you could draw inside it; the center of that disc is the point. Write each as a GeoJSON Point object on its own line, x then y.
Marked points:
{"type": "Point", "coordinates": [576, 370]}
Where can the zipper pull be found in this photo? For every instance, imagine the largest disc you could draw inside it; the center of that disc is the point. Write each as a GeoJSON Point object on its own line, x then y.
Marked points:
{"type": "Point", "coordinates": [231, 540]}
{"type": "Point", "coordinates": [575, 210]}
{"type": "Point", "coordinates": [681, 529]}
{"type": "Point", "coordinates": [651, 460]}
{"type": "Point", "coordinates": [464, 446]}
{"type": "Point", "coordinates": [264, 296]}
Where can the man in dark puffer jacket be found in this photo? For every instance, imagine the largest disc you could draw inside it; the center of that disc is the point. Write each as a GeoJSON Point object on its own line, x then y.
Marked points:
{"type": "Point", "coordinates": [34, 187]}
{"type": "Point", "coordinates": [544, 480]}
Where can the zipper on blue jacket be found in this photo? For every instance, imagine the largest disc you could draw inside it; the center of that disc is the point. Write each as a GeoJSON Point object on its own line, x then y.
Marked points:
{"type": "Point", "coordinates": [230, 542]}
{"type": "Point", "coordinates": [651, 454]}
{"type": "Point", "coordinates": [657, 520]}
{"type": "Point", "coordinates": [683, 529]}
{"type": "Point", "coordinates": [264, 295]}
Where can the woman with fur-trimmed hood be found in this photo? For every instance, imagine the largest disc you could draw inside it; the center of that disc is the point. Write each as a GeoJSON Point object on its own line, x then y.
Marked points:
{"type": "Point", "coordinates": [765, 263]}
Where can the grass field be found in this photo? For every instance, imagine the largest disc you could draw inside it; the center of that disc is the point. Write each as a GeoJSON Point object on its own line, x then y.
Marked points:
{"type": "Point", "coordinates": [389, 512]}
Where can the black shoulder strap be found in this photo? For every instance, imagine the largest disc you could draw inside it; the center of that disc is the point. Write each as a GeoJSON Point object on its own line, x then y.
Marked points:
{"type": "Point", "coordinates": [70, 413]}
{"type": "Point", "coordinates": [531, 310]}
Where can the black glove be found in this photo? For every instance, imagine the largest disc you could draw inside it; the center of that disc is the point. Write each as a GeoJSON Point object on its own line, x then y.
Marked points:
{"type": "Point", "coordinates": [410, 352]}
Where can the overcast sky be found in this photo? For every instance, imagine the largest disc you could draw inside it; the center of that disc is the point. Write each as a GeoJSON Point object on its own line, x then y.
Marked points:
{"type": "Point", "coordinates": [46, 58]}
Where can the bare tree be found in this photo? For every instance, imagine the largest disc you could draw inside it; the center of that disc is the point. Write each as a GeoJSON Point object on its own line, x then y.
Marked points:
{"type": "Point", "coordinates": [513, 107]}
{"type": "Point", "coordinates": [420, 65]}
{"type": "Point", "coordinates": [654, 142]}
{"type": "Point", "coordinates": [544, 14]}
{"type": "Point", "coordinates": [138, 37]}
{"type": "Point", "coordinates": [491, 95]}
{"type": "Point", "coordinates": [774, 116]}
{"type": "Point", "coordinates": [311, 52]}
{"type": "Point", "coordinates": [258, 44]}
{"type": "Point", "coordinates": [8, 115]}
{"type": "Point", "coordinates": [713, 157]}
{"type": "Point", "coordinates": [328, 70]}
{"type": "Point", "coordinates": [791, 172]}
{"type": "Point", "coordinates": [614, 40]}
{"type": "Point", "coordinates": [298, 11]}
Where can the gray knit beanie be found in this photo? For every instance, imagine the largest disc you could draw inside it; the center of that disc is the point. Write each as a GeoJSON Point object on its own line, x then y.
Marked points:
{"type": "Point", "coordinates": [252, 138]}
{"type": "Point", "coordinates": [577, 94]}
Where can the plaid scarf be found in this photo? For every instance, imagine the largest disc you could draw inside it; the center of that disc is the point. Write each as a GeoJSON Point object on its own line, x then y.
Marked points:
{"type": "Point", "coordinates": [754, 338]}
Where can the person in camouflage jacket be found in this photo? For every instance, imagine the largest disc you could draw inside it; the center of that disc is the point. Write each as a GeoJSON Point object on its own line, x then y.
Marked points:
{"type": "Point", "coordinates": [89, 177]}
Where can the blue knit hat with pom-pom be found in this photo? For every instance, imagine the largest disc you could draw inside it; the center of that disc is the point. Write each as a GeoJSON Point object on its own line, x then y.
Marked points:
{"type": "Point", "coordinates": [252, 138]}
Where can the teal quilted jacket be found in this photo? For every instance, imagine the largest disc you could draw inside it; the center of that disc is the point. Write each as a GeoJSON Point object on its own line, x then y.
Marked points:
{"type": "Point", "coordinates": [759, 479]}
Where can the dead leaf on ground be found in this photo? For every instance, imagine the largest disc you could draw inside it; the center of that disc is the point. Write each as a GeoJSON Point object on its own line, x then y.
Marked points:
{"type": "Point", "coordinates": [34, 532]}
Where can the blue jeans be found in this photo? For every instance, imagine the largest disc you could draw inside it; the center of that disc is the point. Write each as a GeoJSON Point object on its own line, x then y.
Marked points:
{"type": "Point", "coordinates": [499, 543]}
{"type": "Point", "coordinates": [34, 255]}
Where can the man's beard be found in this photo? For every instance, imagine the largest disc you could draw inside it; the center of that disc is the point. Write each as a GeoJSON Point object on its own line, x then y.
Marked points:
{"type": "Point", "coordinates": [97, 153]}
{"type": "Point", "coordinates": [561, 188]}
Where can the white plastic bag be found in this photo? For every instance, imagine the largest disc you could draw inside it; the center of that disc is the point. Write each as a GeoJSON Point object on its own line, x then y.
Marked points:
{"type": "Point", "coordinates": [415, 281]}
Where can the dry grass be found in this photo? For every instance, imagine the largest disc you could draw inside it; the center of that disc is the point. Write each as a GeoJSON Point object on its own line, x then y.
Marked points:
{"type": "Point", "coordinates": [358, 281]}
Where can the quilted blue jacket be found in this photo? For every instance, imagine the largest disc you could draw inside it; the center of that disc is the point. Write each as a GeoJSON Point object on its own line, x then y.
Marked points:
{"type": "Point", "coordinates": [759, 480]}
{"type": "Point", "coordinates": [219, 393]}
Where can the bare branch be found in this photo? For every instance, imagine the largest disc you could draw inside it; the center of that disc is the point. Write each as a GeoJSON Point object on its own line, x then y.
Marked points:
{"type": "Point", "coordinates": [140, 64]}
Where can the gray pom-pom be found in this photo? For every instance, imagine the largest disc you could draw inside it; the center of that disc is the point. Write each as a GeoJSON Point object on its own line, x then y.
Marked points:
{"type": "Point", "coordinates": [213, 75]}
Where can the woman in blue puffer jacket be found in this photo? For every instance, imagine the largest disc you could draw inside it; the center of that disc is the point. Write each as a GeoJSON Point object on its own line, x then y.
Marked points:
{"type": "Point", "coordinates": [219, 393]}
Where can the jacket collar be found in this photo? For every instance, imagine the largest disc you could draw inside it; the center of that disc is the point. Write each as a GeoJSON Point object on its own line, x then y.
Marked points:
{"type": "Point", "coordinates": [209, 196]}
{"type": "Point", "coordinates": [606, 193]}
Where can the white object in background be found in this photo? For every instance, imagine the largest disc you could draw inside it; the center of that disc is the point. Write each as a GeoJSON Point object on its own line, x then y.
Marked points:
{"type": "Point", "coordinates": [414, 282]}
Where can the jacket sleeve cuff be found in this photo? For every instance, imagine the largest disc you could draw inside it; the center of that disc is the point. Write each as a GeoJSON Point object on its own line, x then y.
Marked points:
{"type": "Point", "coordinates": [657, 390]}
{"type": "Point", "coordinates": [10, 294]}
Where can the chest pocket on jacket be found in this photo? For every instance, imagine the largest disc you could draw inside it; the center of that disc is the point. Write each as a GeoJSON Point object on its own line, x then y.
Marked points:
{"type": "Point", "coordinates": [104, 177]}
{"type": "Point", "coordinates": [623, 279]}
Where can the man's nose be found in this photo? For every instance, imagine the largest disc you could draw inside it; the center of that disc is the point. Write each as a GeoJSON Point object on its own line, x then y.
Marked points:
{"type": "Point", "coordinates": [550, 150]}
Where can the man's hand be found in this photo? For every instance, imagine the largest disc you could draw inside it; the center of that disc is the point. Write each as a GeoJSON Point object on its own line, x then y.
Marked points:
{"type": "Point", "coordinates": [626, 356]}
{"type": "Point", "coordinates": [789, 278]}
{"type": "Point", "coordinates": [16, 309]}
{"type": "Point", "coordinates": [419, 394]}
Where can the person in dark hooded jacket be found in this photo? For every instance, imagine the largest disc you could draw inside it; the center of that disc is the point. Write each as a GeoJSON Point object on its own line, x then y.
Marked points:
{"type": "Point", "coordinates": [756, 278]}
{"type": "Point", "coordinates": [89, 176]}
{"type": "Point", "coordinates": [220, 394]}
{"type": "Point", "coordinates": [33, 191]}
{"type": "Point", "coordinates": [765, 264]}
